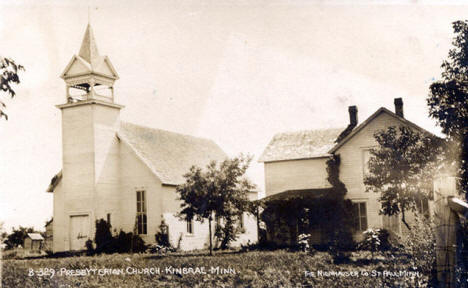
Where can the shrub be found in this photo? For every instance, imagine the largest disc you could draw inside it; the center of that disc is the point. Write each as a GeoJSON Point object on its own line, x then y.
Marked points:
{"type": "Point", "coordinates": [122, 243]}
{"type": "Point", "coordinates": [89, 247]}
{"type": "Point", "coordinates": [103, 237]}
{"type": "Point", "coordinates": [371, 241]}
{"type": "Point", "coordinates": [419, 244]}
{"type": "Point", "coordinates": [128, 242]}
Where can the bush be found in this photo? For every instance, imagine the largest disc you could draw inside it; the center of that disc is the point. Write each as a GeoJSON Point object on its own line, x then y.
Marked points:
{"type": "Point", "coordinates": [127, 242]}
{"type": "Point", "coordinates": [419, 244]}
{"type": "Point", "coordinates": [103, 237]}
{"type": "Point", "coordinates": [375, 240]}
{"type": "Point", "coordinates": [122, 243]}
{"type": "Point", "coordinates": [89, 247]}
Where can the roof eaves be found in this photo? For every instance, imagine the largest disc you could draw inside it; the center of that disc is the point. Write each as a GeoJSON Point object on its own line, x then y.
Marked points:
{"type": "Point", "coordinates": [54, 182]}
{"type": "Point", "coordinates": [295, 159]}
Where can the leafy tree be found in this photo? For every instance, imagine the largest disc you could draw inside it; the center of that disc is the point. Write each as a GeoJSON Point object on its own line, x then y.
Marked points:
{"type": "Point", "coordinates": [8, 75]}
{"type": "Point", "coordinates": [448, 102]}
{"type": "Point", "coordinates": [401, 169]}
{"type": "Point", "coordinates": [220, 189]}
{"type": "Point", "coordinates": [16, 237]}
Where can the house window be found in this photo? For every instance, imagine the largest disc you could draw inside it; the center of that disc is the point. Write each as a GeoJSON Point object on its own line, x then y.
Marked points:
{"type": "Point", "coordinates": [109, 219]}
{"type": "Point", "coordinates": [241, 221]}
{"type": "Point", "coordinates": [360, 216]}
{"type": "Point", "coordinates": [423, 206]}
{"type": "Point", "coordinates": [366, 155]}
{"type": "Point", "coordinates": [190, 227]}
{"type": "Point", "coordinates": [141, 212]}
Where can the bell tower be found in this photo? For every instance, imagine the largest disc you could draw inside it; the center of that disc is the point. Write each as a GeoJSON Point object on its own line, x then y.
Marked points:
{"type": "Point", "coordinates": [89, 75]}
{"type": "Point", "coordinates": [90, 148]}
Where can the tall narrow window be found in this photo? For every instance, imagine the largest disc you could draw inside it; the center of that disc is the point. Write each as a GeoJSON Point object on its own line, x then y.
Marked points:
{"type": "Point", "coordinates": [141, 212]}
{"type": "Point", "coordinates": [360, 216]}
{"type": "Point", "coordinates": [241, 221]}
{"type": "Point", "coordinates": [365, 162]}
{"type": "Point", "coordinates": [423, 206]}
{"type": "Point", "coordinates": [190, 227]}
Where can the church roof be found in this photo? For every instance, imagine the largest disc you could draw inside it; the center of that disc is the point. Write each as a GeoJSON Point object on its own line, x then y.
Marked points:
{"type": "Point", "coordinates": [169, 155]}
{"type": "Point", "coordinates": [300, 145]}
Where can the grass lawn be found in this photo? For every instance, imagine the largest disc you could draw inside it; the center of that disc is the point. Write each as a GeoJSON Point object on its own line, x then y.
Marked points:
{"type": "Point", "coordinates": [239, 269]}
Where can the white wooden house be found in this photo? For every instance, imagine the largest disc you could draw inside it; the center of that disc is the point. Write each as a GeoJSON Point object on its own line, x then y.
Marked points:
{"type": "Point", "coordinates": [295, 162]}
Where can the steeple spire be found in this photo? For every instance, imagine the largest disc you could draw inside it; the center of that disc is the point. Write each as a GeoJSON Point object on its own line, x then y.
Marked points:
{"type": "Point", "coordinates": [88, 50]}
{"type": "Point", "coordinates": [88, 70]}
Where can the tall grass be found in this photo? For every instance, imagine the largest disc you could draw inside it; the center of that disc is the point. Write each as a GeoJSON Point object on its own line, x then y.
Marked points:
{"type": "Point", "coordinates": [252, 269]}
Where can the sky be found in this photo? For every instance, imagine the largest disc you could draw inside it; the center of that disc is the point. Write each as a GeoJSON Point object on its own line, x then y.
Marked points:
{"type": "Point", "coordinates": [236, 72]}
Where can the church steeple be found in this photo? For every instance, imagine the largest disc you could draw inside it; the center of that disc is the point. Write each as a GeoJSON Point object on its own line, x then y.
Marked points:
{"type": "Point", "coordinates": [89, 75]}
{"type": "Point", "coordinates": [88, 50]}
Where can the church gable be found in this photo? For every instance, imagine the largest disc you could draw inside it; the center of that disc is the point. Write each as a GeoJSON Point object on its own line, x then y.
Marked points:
{"type": "Point", "coordinates": [76, 66]}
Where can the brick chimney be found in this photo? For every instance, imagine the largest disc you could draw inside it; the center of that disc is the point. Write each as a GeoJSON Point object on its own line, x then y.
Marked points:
{"type": "Point", "coordinates": [398, 107]}
{"type": "Point", "coordinates": [353, 117]}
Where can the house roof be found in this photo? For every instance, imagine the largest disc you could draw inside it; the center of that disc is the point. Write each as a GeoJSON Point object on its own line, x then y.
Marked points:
{"type": "Point", "coordinates": [169, 155]}
{"type": "Point", "coordinates": [319, 143]}
{"type": "Point", "coordinates": [300, 145]}
{"type": "Point", "coordinates": [35, 236]}
{"type": "Point", "coordinates": [369, 119]}
{"type": "Point", "coordinates": [299, 193]}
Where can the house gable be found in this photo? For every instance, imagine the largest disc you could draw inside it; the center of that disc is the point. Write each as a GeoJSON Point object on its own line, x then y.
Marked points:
{"type": "Point", "coordinates": [371, 118]}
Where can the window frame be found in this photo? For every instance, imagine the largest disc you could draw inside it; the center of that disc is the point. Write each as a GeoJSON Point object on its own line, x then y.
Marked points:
{"type": "Point", "coordinates": [360, 217]}
{"type": "Point", "coordinates": [241, 221]}
{"type": "Point", "coordinates": [364, 163]}
{"type": "Point", "coordinates": [142, 218]}
{"type": "Point", "coordinates": [189, 227]}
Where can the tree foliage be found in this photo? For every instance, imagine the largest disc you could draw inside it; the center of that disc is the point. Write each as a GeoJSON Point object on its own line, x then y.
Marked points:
{"type": "Point", "coordinates": [448, 101]}
{"type": "Point", "coordinates": [401, 168]}
{"type": "Point", "coordinates": [8, 76]}
{"type": "Point", "coordinates": [17, 236]}
{"type": "Point", "coordinates": [220, 189]}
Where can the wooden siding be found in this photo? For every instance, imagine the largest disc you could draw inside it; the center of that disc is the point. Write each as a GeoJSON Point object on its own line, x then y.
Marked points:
{"type": "Point", "coordinates": [295, 174]}
{"type": "Point", "coordinates": [352, 166]}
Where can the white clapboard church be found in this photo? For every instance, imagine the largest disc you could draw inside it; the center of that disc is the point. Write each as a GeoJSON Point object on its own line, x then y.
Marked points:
{"type": "Point", "coordinates": [121, 172]}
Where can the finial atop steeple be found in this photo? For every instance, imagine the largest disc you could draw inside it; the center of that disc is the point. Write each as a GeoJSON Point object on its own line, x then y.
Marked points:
{"type": "Point", "coordinates": [88, 69]}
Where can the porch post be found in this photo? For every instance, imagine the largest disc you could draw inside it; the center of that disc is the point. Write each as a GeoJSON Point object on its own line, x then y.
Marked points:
{"type": "Point", "coordinates": [446, 222]}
